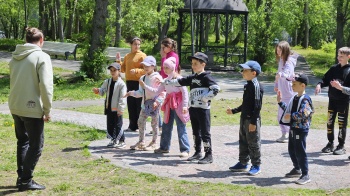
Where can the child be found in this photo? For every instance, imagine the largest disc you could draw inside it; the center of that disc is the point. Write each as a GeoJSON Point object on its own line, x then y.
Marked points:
{"type": "Point", "coordinates": [338, 101]}
{"type": "Point", "coordinates": [168, 49]}
{"type": "Point", "coordinates": [151, 79]}
{"type": "Point", "coordinates": [115, 103]}
{"type": "Point", "coordinates": [286, 64]}
{"type": "Point", "coordinates": [249, 131]}
{"type": "Point", "coordinates": [203, 88]}
{"type": "Point", "coordinates": [175, 108]}
{"type": "Point", "coordinates": [297, 114]}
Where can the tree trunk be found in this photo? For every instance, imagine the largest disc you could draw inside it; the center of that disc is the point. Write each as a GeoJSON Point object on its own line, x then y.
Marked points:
{"type": "Point", "coordinates": [43, 17]}
{"type": "Point", "coordinates": [118, 29]}
{"type": "Point", "coordinates": [59, 21]}
{"type": "Point", "coordinates": [99, 28]}
{"type": "Point", "coordinates": [306, 25]}
{"type": "Point", "coordinates": [71, 11]}
{"type": "Point", "coordinates": [341, 21]}
{"type": "Point", "coordinates": [162, 31]}
{"type": "Point", "coordinates": [25, 18]}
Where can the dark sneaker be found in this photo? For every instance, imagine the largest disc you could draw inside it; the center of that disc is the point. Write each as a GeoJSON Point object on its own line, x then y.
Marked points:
{"type": "Point", "coordinates": [195, 157]}
{"type": "Point", "coordinates": [339, 150]}
{"type": "Point", "coordinates": [160, 151]}
{"type": "Point", "coordinates": [303, 180]}
{"type": "Point", "coordinates": [254, 170]}
{"type": "Point", "coordinates": [112, 143]}
{"type": "Point", "coordinates": [294, 173]}
{"type": "Point", "coordinates": [208, 158]}
{"type": "Point", "coordinates": [30, 185]}
{"type": "Point", "coordinates": [329, 148]}
{"type": "Point", "coordinates": [239, 167]}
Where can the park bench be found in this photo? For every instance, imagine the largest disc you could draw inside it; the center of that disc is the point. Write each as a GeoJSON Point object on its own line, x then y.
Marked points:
{"type": "Point", "coordinates": [60, 48]}
{"type": "Point", "coordinates": [112, 51]}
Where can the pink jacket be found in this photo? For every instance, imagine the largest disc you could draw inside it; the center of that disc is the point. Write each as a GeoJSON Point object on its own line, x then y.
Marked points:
{"type": "Point", "coordinates": [174, 101]}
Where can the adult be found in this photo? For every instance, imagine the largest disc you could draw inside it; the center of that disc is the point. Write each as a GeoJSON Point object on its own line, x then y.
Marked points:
{"type": "Point", "coordinates": [169, 49]}
{"type": "Point", "coordinates": [131, 66]}
{"type": "Point", "coordinates": [30, 100]}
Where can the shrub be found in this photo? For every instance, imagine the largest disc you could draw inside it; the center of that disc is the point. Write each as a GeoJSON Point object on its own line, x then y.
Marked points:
{"type": "Point", "coordinates": [10, 44]}
{"type": "Point", "coordinates": [328, 47]}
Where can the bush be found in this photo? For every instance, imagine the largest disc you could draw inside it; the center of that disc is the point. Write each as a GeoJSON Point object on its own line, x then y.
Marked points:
{"type": "Point", "coordinates": [9, 44]}
{"type": "Point", "coordinates": [328, 47]}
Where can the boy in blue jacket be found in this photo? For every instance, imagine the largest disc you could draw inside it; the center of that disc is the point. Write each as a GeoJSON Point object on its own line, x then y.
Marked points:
{"type": "Point", "coordinates": [297, 114]}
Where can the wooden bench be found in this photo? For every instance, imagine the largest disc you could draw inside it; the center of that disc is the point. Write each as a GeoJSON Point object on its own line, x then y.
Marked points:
{"type": "Point", "coordinates": [112, 51]}
{"type": "Point", "coordinates": [60, 48]}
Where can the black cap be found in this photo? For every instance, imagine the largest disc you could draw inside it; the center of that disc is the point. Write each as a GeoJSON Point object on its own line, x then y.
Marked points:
{"type": "Point", "coordinates": [199, 56]}
{"type": "Point", "coordinates": [115, 65]}
{"type": "Point", "coordinates": [300, 78]}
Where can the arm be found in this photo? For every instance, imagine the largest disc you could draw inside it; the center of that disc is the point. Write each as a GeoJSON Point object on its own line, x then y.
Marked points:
{"type": "Point", "coordinates": [213, 90]}
{"type": "Point", "coordinates": [45, 75]}
{"type": "Point", "coordinates": [185, 98]}
{"type": "Point", "coordinates": [122, 100]}
{"type": "Point", "coordinates": [104, 88]}
{"type": "Point", "coordinates": [287, 71]}
{"type": "Point", "coordinates": [180, 81]}
{"type": "Point", "coordinates": [257, 104]}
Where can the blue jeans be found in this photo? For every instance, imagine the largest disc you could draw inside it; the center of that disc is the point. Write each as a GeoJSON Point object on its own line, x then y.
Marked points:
{"type": "Point", "coordinates": [167, 130]}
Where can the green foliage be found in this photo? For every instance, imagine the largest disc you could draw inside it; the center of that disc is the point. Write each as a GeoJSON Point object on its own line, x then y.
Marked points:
{"type": "Point", "coordinates": [10, 44]}
{"type": "Point", "coordinates": [94, 66]}
{"type": "Point", "coordinates": [328, 47]}
{"type": "Point", "coordinates": [58, 79]}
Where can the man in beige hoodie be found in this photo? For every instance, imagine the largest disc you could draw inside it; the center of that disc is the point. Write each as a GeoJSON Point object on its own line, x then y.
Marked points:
{"type": "Point", "coordinates": [30, 100]}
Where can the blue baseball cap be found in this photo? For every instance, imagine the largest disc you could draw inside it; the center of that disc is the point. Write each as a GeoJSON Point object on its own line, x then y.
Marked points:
{"type": "Point", "coordinates": [149, 61]}
{"type": "Point", "coordinates": [252, 65]}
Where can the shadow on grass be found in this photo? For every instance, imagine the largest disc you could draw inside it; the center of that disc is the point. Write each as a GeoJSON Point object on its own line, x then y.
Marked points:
{"type": "Point", "coordinates": [7, 190]}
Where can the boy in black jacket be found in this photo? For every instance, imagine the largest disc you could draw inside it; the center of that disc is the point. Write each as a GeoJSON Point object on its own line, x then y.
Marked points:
{"type": "Point", "coordinates": [338, 101]}
{"type": "Point", "coordinates": [203, 88]}
{"type": "Point", "coordinates": [249, 131]}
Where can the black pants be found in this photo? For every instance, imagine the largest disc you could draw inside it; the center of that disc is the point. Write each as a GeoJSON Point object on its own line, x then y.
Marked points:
{"type": "Point", "coordinates": [249, 143]}
{"type": "Point", "coordinates": [342, 109]}
{"type": "Point", "coordinates": [297, 150]}
{"type": "Point", "coordinates": [200, 121]}
{"type": "Point", "coordinates": [30, 142]}
{"type": "Point", "coordinates": [114, 126]}
{"type": "Point", "coordinates": [134, 105]}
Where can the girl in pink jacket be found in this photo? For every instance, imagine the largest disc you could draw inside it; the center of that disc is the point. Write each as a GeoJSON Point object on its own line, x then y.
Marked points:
{"type": "Point", "coordinates": [175, 108]}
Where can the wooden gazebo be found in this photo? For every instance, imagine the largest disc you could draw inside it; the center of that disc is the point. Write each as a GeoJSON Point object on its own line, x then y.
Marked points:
{"type": "Point", "coordinates": [227, 13]}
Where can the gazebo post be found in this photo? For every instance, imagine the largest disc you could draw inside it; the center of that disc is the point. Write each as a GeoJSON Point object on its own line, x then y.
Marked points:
{"type": "Point", "coordinates": [179, 35]}
{"type": "Point", "coordinates": [245, 36]}
{"type": "Point", "coordinates": [226, 39]}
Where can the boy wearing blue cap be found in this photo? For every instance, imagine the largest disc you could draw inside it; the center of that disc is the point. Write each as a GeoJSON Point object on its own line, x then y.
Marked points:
{"type": "Point", "coordinates": [249, 131]}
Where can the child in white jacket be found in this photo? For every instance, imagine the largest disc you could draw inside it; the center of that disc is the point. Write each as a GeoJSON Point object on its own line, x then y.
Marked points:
{"type": "Point", "coordinates": [115, 103]}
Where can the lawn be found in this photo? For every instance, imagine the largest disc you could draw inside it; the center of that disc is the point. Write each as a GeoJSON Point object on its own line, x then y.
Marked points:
{"type": "Point", "coordinates": [67, 168]}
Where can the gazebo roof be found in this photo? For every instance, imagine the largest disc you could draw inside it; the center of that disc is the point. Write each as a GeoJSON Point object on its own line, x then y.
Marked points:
{"type": "Point", "coordinates": [217, 5]}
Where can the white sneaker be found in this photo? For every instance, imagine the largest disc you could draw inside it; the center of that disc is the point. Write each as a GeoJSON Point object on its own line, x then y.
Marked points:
{"type": "Point", "coordinates": [120, 145]}
{"type": "Point", "coordinates": [184, 154]}
{"type": "Point", "coordinates": [283, 139]}
{"type": "Point", "coordinates": [112, 143]}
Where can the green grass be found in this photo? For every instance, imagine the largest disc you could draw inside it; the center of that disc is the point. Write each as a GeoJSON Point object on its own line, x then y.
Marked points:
{"type": "Point", "coordinates": [66, 168]}
{"type": "Point", "coordinates": [319, 60]}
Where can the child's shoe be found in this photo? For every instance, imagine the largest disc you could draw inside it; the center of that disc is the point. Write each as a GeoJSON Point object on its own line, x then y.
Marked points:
{"type": "Point", "coordinates": [283, 139]}
{"type": "Point", "coordinates": [339, 150]}
{"type": "Point", "coordinates": [239, 167]}
{"type": "Point", "coordinates": [293, 173]}
{"type": "Point", "coordinates": [195, 157]}
{"type": "Point", "coordinates": [138, 146]}
{"type": "Point", "coordinates": [303, 180]}
{"type": "Point", "coordinates": [120, 145]}
{"type": "Point", "coordinates": [151, 146]}
{"type": "Point", "coordinates": [329, 148]}
{"type": "Point", "coordinates": [160, 151]}
{"type": "Point", "coordinates": [112, 143]}
{"type": "Point", "coordinates": [254, 170]}
{"type": "Point", "coordinates": [208, 158]}
{"type": "Point", "coordinates": [184, 154]}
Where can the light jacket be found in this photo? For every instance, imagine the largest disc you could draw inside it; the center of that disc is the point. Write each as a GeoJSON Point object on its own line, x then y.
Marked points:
{"type": "Point", "coordinates": [31, 82]}
{"type": "Point", "coordinates": [118, 102]}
